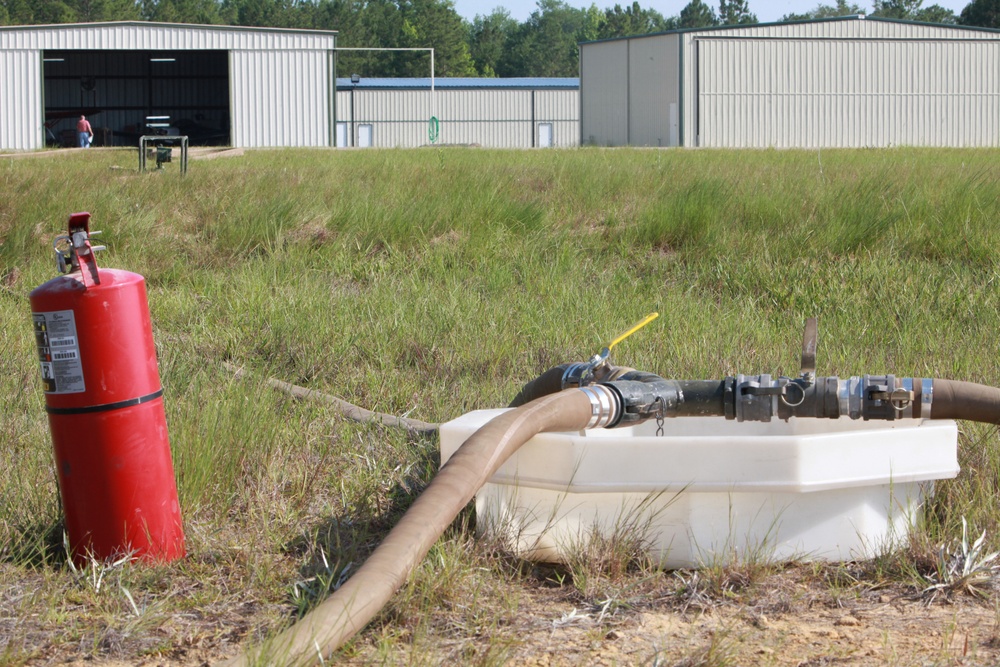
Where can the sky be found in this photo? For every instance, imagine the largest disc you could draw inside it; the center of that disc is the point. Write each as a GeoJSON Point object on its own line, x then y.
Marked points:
{"type": "Point", "coordinates": [766, 10]}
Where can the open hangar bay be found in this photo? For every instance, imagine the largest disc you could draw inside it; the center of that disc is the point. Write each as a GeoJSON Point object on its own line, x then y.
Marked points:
{"type": "Point", "coordinates": [246, 87]}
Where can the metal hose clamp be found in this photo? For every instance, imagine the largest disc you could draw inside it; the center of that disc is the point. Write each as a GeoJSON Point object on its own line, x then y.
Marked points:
{"type": "Point", "coordinates": [603, 406]}
{"type": "Point", "coordinates": [849, 395]}
{"type": "Point", "coordinates": [576, 375]}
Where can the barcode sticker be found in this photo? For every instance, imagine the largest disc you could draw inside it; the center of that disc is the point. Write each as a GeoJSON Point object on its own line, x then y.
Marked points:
{"type": "Point", "coordinates": [58, 352]}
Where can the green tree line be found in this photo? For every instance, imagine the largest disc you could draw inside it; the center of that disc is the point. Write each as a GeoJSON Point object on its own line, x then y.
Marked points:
{"type": "Point", "coordinates": [493, 44]}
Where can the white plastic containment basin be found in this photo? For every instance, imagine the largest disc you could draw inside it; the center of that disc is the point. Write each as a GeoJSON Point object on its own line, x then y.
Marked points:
{"type": "Point", "coordinates": [711, 490]}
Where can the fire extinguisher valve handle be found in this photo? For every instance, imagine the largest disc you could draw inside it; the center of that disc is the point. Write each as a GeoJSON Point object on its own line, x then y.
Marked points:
{"type": "Point", "coordinates": [80, 253]}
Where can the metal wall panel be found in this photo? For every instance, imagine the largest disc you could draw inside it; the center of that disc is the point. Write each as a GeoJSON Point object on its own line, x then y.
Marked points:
{"type": "Point", "coordinates": [280, 98]}
{"type": "Point", "coordinates": [467, 105]}
{"type": "Point", "coordinates": [21, 100]}
{"type": "Point", "coordinates": [653, 86]}
{"type": "Point", "coordinates": [867, 71]}
{"type": "Point", "coordinates": [604, 92]}
{"type": "Point", "coordinates": [850, 93]}
{"type": "Point", "coordinates": [558, 105]}
{"type": "Point", "coordinates": [850, 31]}
{"type": "Point", "coordinates": [494, 118]}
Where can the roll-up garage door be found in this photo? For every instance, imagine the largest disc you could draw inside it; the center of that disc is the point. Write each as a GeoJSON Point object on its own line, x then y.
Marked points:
{"type": "Point", "coordinates": [847, 93]}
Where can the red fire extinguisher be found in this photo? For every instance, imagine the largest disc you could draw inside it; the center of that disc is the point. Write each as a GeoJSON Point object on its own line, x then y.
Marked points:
{"type": "Point", "coordinates": [105, 404]}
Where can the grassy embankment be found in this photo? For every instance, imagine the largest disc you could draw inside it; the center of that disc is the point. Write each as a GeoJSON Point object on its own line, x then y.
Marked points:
{"type": "Point", "coordinates": [430, 283]}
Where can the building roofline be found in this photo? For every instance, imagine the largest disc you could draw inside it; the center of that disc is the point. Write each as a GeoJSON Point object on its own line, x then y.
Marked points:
{"type": "Point", "coordinates": [852, 17]}
{"type": "Point", "coordinates": [460, 83]}
{"type": "Point", "coordinates": [156, 24]}
{"type": "Point", "coordinates": [953, 26]}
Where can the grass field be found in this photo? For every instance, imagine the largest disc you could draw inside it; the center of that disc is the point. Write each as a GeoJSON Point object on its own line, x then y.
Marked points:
{"type": "Point", "coordinates": [432, 282]}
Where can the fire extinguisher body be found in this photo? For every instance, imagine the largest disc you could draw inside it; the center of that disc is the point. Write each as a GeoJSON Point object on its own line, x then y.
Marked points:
{"type": "Point", "coordinates": [106, 415]}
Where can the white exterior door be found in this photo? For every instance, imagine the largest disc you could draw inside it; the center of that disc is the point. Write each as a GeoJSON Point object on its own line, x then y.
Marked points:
{"type": "Point", "coordinates": [365, 135]}
{"type": "Point", "coordinates": [545, 135]}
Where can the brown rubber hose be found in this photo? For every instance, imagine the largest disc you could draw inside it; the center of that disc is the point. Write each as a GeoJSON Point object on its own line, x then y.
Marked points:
{"type": "Point", "coordinates": [550, 382]}
{"type": "Point", "coordinates": [547, 383]}
{"type": "Point", "coordinates": [360, 598]}
{"type": "Point", "coordinates": [965, 400]}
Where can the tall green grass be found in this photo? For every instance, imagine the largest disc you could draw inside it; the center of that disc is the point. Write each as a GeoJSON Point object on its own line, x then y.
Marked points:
{"type": "Point", "coordinates": [434, 282]}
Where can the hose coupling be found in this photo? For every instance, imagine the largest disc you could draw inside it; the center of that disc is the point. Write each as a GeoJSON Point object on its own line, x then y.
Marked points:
{"type": "Point", "coordinates": [760, 398]}
{"type": "Point", "coordinates": [605, 406]}
{"type": "Point", "coordinates": [882, 397]}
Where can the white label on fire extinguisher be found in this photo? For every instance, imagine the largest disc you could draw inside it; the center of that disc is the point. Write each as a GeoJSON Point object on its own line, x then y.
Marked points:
{"type": "Point", "coordinates": [58, 352]}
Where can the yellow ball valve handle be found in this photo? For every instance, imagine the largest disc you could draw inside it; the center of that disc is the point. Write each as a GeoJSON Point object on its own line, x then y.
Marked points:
{"type": "Point", "coordinates": [601, 359]}
{"type": "Point", "coordinates": [631, 330]}
{"type": "Point", "coordinates": [583, 374]}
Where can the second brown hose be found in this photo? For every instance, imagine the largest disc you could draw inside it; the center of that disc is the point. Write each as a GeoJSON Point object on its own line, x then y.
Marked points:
{"type": "Point", "coordinates": [954, 399]}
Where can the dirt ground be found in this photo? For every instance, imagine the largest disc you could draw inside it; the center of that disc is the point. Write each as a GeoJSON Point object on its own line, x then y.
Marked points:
{"type": "Point", "coordinates": [867, 634]}
{"type": "Point", "coordinates": [795, 620]}
{"type": "Point", "coordinates": [883, 634]}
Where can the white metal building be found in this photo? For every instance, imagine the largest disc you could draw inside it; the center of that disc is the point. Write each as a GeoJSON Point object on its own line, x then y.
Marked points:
{"type": "Point", "coordinates": [847, 82]}
{"type": "Point", "coordinates": [244, 87]}
{"type": "Point", "coordinates": [495, 113]}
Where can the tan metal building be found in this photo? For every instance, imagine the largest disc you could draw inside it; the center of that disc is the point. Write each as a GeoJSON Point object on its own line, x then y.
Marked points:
{"type": "Point", "coordinates": [244, 87]}
{"type": "Point", "coordinates": [846, 82]}
{"type": "Point", "coordinates": [494, 113]}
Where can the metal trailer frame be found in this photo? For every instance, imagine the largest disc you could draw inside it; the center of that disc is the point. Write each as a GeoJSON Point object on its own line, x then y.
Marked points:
{"type": "Point", "coordinates": [153, 139]}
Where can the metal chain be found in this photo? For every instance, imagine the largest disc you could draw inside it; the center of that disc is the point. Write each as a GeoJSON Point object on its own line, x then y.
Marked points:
{"type": "Point", "coordinates": [659, 417]}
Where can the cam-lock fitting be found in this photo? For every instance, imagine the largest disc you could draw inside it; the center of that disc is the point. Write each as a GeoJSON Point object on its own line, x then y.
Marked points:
{"type": "Point", "coordinates": [881, 397]}
{"type": "Point", "coordinates": [759, 398]}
